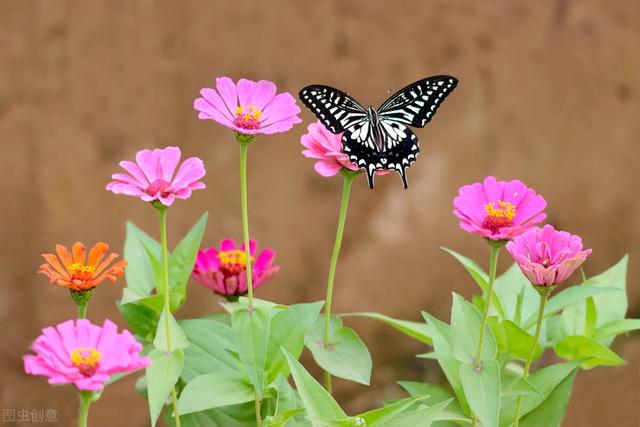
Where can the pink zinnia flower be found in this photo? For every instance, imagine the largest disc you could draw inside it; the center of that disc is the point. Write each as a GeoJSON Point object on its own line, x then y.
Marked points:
{"type": "Point", "coordinates": [224, 270]}
{"type": "Point", "coordinates": [249, 107]}
{"type": "Point", "coordinates": [154, 178]}
{"type": "Point", "coordinates": [327, 148]}
{"type": "Point", "coordinates": [498, 210]}
{"type": "Point", "coordinates": [547, 256]}
{"type": "Point", "coordinates": [86, 355]}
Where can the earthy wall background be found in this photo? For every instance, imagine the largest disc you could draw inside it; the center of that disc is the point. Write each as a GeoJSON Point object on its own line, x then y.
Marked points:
{"type": "Point", "coordinates": [549, 93]}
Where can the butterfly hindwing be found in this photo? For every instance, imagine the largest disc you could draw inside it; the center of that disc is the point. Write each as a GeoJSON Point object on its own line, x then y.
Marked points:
{"type": "Point", "coordinates": [336, 110]}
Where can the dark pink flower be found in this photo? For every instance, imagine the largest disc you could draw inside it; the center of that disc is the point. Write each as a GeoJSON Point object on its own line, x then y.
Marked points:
{"type": "Point", "coordinates": [86, 355]}
{"type": "Point", "coordinates": [224, 270]}
{"type": "Point", "coordinates": [547, 256]}
{"type": "Point", "coordinates": [249, 107]}
{"type": "Point", "coordinates": [498, 210]}
{"type": "Point", "coordinates": [154, 178]}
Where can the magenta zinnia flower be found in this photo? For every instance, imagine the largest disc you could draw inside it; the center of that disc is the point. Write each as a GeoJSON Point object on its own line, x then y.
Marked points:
{"type": "Point", "coordinates": [498, 210]}
{"type": "Point", "coordinates": [547, 256]}
{"type": "Point", "coordinates": [154, 178]}
{"type": "Point", "coordinates": [249, 107]}
{"type": "Point", "coordinates": [327, 148]}
{"type": "Point", "coordinates": [224, 270]}
{"type": "Point", "coordinates": [86, 355]}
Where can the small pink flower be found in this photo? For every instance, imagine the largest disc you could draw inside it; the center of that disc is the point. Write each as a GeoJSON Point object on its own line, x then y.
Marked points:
{"type": "Point", "coordinates": [249, 107]}
{"type": "Point", "coordinates": [498, 210]}
{"type": "Point", "coordinates": [86, 355]}
{"type": "Point", "coordinates": [154, 178]}
{"type": "Point", "coordinates": [224, 270]}
{"type": "Point", "coordinates": [327, 148]}
{"type": "Point", "coordinates": [547, 256]}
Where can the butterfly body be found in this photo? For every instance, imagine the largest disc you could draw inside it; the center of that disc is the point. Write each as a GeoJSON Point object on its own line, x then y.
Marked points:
{"type": "Point", "coordinates": [379, 139]}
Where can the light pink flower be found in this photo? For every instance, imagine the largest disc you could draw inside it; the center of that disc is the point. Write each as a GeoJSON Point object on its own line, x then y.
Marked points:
{"type": "Point", "coordinates": [327, 148]}
{"type": "Point", "coordinates": [153, 176]}
{"type": "Point", "coordinates": [249, 107]}
{"type": "Point", "coordinates": [547, 256]}
{"type": "Point", "coordinates": [498, 210]}
{"type": "Point", "coordinates": [224, 270]}
{"type": "Point", "coordinates": [86, 355]}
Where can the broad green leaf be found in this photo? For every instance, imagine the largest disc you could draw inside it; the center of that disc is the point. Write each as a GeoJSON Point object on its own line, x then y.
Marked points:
{"type": "Point", "coordinates": [440, 332]}
{"type": "Point", "coordinates": [317, 401]}
{"type": "Point", "coordinates": [182, 259]}
{"type": "Point", "coordinates": [214, 390]}
{"type": "Point", "coordinates": [591, 317]}
{"type": "Point", "coordinates": [553, 409]}
{"type": "Point", "coordinates": [616, 327]}
{"type": "Point", "coordinates": [346, 356]}
{"type": "Point", "coordinates": [379, 415]}
{"type": "Point", "coordinates": [139, 272]}
{"type": "Point", "coordinates": [513, 340]}
{"type": "Point", "coordinates": [423, 416]}
{"type": "Point", "coordinates": [177, 338]}
{"type": "Point", "coordinates": [242, 415]}
{"type": "Point", "coordinates": [251, 329]}
{"type": "Point", "coordinates": [154, 301]}
{"type": "Point", "coordinates": [288, 329]}
{"type": "Point", "coordinates": [162, 374]}
{"type": "Point", "coordinates": [434, 394]}
{"type": "Point", "coordinates": [519, 299]}
{"type": "Point", "coordinates": [142, 320]}
{"type": "Point", "coordinates": [585, 349]}
{"type": "Point", "coordinates": [465, 330]}
{"type": "Point", "coordinates": [482, 388]}
{"type": "Point", "coordinates": [416, 330]}
{"type": "Point", "coordinates": [518, 386]}
{"type": "Point", "coordinates": [211, 348]}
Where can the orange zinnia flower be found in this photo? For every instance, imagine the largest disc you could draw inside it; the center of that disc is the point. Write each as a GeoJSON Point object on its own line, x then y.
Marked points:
{"type": "Point", "coordinates": [73, 271]}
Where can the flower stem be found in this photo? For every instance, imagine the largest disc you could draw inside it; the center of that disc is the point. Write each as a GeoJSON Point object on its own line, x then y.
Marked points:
{"type": "Point", "coordinates": [82, 311]}
{"type": "Point", "coordinates": [544, 292]}
{"type": "Point", "coordinates": [85, 401]}
{"type": "Point", "coordinates": [244, 145]}
{"type": "Point", "coordinates": [258, 416]}
{"type": "Point", "coordinates": [167, 298]}
{"type": "Point", "coordinates": [493, 265]}
{"type": "Point", "coordinates": [342, 215]}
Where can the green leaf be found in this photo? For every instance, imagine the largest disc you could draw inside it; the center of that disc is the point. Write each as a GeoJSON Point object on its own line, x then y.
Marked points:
{"type": "Point", "coordinates": [588, 350]}
{"type": "Point", "coordinates": [482, 388]}
{"type": "Point", "coordinates": [415, 330]}
{"type": "Point", "coordinates": [213, 390]}
{"type": "Point", "coordinates": [317, 401]}
{"type": "Point", "coordinates": [554, 407]}
{"type": "Point", "coordinates": [423, 416]}
{"type": "Point", "coordinates": [434, 394]}
{"type": "Point", "coordinates": [182, 260]}
{"type": "Point", "coordinates": [251, 329]}
{"type": "Point", "coordinates": [139, 272]}
{"type": "Point", "coordinates": [288, 329]}
{"type": "Point", "coordinates": [591, 317]}
{"type": "Point", "coordinates": [380, 415]}
{"type": "Point", "coordinates": [211, 348]}
{"type": "Point", "coordinates": [519, 299]}
{"type": "Point", "coordinates": [513, 340]}
{"type": "Point", "coordinates": [465, 330]}
{"type": "Point", "coordinates": [346, 356]}
{"type": "Point", "coordinates": [520, 386]}
{"type": "Point", "coordinates": [616, 327]}
{"type": "Point", "coordinates": [242, 415]}
{"type": "Point", "coordinates": [176, 335]}
{"type": "Point", "coordinates": [142, 320]}
{"type": "Point", "coordinates": [162, 374]}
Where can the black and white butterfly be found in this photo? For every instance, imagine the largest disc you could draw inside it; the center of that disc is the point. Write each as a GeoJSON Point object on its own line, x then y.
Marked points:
{"type": "Point", "coordinates": [379, 139]}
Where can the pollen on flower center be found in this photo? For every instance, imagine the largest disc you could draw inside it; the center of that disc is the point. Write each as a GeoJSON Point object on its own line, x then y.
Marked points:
{"type": "Point", "coordinates": [233, 261]}
{"type": "Point", "coordinates": [247, 117]}
{"type": "Point", "coordinates": [81, 271]}
{"type": "Point", "coordinates": [157, 186]}
{"type": "Point", "coordinates": [86, 359]}
{"type": "Point", "coordinates": [498, 217]}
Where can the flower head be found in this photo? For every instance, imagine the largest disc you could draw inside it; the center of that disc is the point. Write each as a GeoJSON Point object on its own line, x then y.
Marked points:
{"type": "Point", "coordinates": [81, 353]}
{"type": "Point", "coordinates": [498, 210]}
{"type": "Point", "coordinates": [547, 256]}
{"type": "Point", "coordinates": [223, 270]}
{"type": "Point", "coordinates": [248, 107]}
{"type": "Point", "coordinates": [75, 271]}
{"type": "Point", "coordinates": [153, 176]}
{"type": "Point", "coordinates": [327, 148]}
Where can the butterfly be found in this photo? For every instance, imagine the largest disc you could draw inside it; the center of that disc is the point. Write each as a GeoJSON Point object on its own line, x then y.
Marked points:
{"type": "Point", "coordinates": [379, 139]}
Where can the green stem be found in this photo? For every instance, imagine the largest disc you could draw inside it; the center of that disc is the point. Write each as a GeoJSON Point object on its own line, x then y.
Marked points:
{"type": "Point", "coordinates": [167, 298]}
{"type": "Point", "coordinates": [544, 292]}
{"type": "Point", "coordinates": [244, 145]}
{"type": "Point", "coordinates": [342, 216]}
{"type": "Point", "coordinates": [258, 416]}
{"type": "Point", "coordinates": [82, 311]}
{"type": "Point", "coordinates": [83, 413]}
{"type": "Point", "coordinates": [493, 265]}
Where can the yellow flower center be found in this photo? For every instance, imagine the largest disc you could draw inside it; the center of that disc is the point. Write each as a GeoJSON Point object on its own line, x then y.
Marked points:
{"type": "Point", "coordinates": [81, 271]}
{"type": "Point", "coordinates": [233, 261]}
{"type": "Point", "coordinates": [86, 359]}
{"type": "Point", "coordinates": [500, 216]}
{"type": "Point", "coordinates": [247, 117]}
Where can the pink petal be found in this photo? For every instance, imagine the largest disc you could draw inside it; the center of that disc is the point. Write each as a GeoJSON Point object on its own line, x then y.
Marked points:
{"type": "Point", "coordinates": [227, 90]}
{"type": "Point", "coordinates": [256, 94]}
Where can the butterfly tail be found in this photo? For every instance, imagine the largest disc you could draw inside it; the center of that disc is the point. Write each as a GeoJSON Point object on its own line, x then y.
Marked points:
{"type": "Point", "coordinates": [371, 175]}
{"type": "Point", "coordinates": [403, 176]}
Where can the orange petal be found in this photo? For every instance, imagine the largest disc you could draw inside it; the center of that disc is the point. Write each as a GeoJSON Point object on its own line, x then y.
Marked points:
{"type": "Point", "coordinates": [104, 264]}
{"type": "Point", "coordinates": [79, 252]}
{"type": "Point", "coordinates": [64, 255]}
{"type": "Point", "coordinates": [96, 253]}
{"type": "Point", "coordinates": [53, 260]}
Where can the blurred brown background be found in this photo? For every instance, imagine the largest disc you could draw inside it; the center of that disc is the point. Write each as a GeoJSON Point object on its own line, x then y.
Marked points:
{"type": "Point", "coordinates": [549, 93]}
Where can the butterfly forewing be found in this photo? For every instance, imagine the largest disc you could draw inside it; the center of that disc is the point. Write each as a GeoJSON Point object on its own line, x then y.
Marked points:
{"type": "Point", "coordinates": [335, 109]}
{"type": "Point", "coordinates": [416, 104]}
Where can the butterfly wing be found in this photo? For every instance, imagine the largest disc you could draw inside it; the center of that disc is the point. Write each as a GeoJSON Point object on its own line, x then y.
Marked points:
{"type": "Point", "coordinates": [336, 110]}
